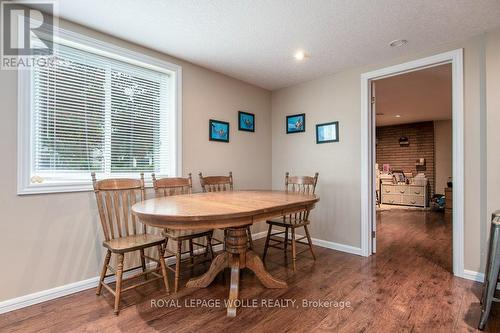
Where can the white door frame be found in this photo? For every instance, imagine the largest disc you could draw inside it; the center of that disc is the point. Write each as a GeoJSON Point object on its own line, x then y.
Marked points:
{"type": "Point", "coordinates": [454, 57]}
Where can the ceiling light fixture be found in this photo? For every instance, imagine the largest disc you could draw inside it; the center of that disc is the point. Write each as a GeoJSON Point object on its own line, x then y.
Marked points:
{"type": "Point", "coordinates": [398, 43]}
{"type": "Point", "coordinates": [398, 116]}
{"type": "Point", "coordinates": [300, 55]}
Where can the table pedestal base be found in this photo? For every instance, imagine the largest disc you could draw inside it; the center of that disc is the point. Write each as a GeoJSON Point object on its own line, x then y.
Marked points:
{"type": "Point", "coordinates": [237, 257]}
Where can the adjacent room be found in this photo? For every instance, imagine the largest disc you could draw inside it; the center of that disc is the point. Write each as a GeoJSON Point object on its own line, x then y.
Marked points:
{"type": "Point", "coordinates": [413, 169]}
{"type": "Point", "coordinates": [250, 165]}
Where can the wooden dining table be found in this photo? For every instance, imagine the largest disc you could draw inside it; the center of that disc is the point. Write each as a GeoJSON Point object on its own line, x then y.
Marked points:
{"type": "Point", "coordinates": [232, 211]}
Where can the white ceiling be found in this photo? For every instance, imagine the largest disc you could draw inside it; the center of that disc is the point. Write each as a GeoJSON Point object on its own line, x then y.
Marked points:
{"type": "Point", "coordinates": [254, 40]}
{"type": "Point", "coordinates": [417, 96]}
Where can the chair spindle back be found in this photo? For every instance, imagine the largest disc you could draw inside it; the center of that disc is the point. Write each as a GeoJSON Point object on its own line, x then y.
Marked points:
{"type": "Point", "coordinates": [216, 183]}
{"type": "Point", "coordinates": [115, 197]}
{"type": "Point", "coordinates": [300, 185]}
{"type": "Point", "coordinates": [172, 185]}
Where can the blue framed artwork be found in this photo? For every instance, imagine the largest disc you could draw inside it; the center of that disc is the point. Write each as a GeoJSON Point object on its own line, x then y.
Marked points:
{"type": "Point", "coordinates": [218, 130]}
{"type": "Point", "coordinates": [296, 123]}
{"type": "Point", "coordinates": [246, 121]}
{"type": "Point", "coordinates": [327, 132]}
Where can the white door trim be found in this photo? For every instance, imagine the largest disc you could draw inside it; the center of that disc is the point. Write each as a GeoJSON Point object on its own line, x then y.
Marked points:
{"type": "Point", "coordinates": [454, 57]}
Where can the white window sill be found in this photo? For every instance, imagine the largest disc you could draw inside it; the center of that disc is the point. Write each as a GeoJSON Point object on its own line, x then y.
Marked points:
{"type": "Point", "coordinates": [54, 188]}
{"type": "Point", "coordinates": [64, 187]}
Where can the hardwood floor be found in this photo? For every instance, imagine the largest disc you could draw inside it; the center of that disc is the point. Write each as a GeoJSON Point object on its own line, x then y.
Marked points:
{"type": "Point", "coordinates": [406, 287]}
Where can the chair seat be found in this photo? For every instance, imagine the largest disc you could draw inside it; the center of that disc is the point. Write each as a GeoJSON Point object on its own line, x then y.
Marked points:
{"type": "Point", "coordinates": [133, 242]}
{"type": "Point", "coordinates": [288, 222]}
{"type": "Point", "coordinates": [177, 234]}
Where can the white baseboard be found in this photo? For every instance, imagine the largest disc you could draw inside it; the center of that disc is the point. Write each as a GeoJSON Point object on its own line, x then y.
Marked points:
{"type": "Point", "coordinates": [330, 245]}
{"type": "Point", "coordinates": [475, 276]}
{"type": "Point", "coordinates": [337, 246]}
{"type": "Point", "coordinates": [71, 288]}
{"type": "Point", "coordinates": [472, 275]}
{"type": "Point", "coordinates": [47, 295]}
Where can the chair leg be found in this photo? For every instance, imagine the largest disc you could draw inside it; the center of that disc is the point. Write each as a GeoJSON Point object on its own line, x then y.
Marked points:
{"type": "Point", "coordinates": [285, 246]}
{"type": "Point", "coordinates": [165, 245]}
{"type": "Point", "coordinates": [143, 263]}
{"type": "Point", "coordinates": [191, 256]}
{"type": "Point", "coordinates": [309, 241]}
{"type": "Point", "coordinates": [489, 295]}
{"type": "Point", "coordinates": [119, 274]}
{"type": "Point", "coordinates": [205, 253]}
{"type": "Point", "coordinates": [491, 276]}
{"type": "Point", "coordinates": [164, 248]}
{"type": "Point", "coordinates": [191, 251]}
{"type": "Point", "coordinates": [103, 272]}
{"type": "Point", "coordinates": [294, 249]}
{"type": "Point", "coordinates": [209, 246]}
{"type": "Point", "coordinates": [249, 235]}
{"type": "Point", "coordinates": [266, 246]}
{"type": "Point", "coordinates": [163, 268]}
{"type": "Point", "coordinates": [177, 265]}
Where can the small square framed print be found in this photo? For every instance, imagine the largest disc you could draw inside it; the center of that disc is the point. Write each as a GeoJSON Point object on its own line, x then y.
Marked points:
{"type": "Point", "coordinates": [218, 130]}
{"type": "Point", "coordinates": [327, 132]}
{"type": "Point", "coordinates": [246, 121]}
{"type": "Point", "coordinates": [296, 123]}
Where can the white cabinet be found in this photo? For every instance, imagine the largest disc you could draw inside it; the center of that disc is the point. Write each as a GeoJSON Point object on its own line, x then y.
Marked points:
{"type": "Point", "coordinates": [408, 195]}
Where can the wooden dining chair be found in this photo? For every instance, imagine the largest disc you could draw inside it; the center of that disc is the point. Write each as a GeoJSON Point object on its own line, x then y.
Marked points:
{"type": "Point", "coordinates": [291, 222]}
{"type": "Point", "coordinates": [218, 184]}
{"type": "Point", "coordinates": [176, 186]}
{"type": "Point", "coordinates": [123, 233]}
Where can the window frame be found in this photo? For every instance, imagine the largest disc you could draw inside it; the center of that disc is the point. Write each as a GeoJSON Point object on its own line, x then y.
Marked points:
{"type": "Point", "coordinates": [25, 144]}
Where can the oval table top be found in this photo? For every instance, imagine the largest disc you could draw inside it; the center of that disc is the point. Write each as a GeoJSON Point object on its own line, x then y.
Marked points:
{"type": "Point", "coordinates": [220, 209]}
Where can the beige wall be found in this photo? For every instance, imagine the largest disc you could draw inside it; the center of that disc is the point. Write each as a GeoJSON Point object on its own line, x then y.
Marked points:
{"type": "Point", "coordinates": [337, 97]}
{"type": "Point", "coordinates": [493, 121]}
{"type": "Point", "coordinates": [442, 153]}
{"type": "Point", "coordinates": [337, 216]}
{"type": "Point", "coordinates": [52, 240]}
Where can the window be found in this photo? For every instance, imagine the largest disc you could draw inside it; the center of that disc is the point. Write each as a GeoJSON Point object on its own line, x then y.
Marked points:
{"type": "Point", "coordinates": [96, 108]}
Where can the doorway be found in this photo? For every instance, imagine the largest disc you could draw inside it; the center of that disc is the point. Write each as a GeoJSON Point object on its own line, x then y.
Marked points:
{"type": "Point", "coordinates": [368, 140]}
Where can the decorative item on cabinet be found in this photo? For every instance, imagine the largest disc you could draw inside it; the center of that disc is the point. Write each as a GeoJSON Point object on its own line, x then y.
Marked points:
{"type": "Point", "coordinates": [420, 162]}
{"type": "Point", "coordinates": [450, 182]}
{"type": "Point", "coordinates": [399, 176]}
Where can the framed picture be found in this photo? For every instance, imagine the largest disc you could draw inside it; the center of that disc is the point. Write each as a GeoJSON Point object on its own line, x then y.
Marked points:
{"type": "Point", "coordinates": [296, 123]}
{"type": "Point", "coordinates": [327, 132]}
{"type": "Point", "coordinates": [218, 130]}
{"type": "Point", "coordinates": [246, 121]}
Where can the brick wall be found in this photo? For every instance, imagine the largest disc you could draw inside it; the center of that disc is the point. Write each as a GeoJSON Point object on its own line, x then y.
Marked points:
{"type": "Point", "coordinates": [421, 138]}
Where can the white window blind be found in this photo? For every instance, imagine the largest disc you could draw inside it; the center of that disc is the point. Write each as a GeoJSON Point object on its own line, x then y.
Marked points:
{"type": "Point", "coordinates": [91, 112]}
